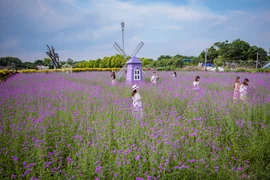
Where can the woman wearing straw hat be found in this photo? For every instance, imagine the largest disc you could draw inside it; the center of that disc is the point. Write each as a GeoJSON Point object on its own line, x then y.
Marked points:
{"type": "Point", "coordinates": [137, 104]}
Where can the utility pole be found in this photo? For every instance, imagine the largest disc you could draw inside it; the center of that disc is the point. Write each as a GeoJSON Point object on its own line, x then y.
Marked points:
{"type": "Point", "coordinates": [257, 60]}
{"type": "Point", "coordinates": [205, 58]}
{"type": "Point", "coordinates": [123, 26]}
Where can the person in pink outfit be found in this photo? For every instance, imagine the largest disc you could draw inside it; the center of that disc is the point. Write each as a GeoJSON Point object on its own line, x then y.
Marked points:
{"type": "Point", "coordinates": [236, 92]}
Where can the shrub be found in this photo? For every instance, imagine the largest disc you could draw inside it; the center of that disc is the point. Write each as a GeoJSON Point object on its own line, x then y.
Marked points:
{"type": "Point", "coordinates": [264, 70]}
{"type": "Point", "coordinates": [190, 68]}
{"type": "Point", "coordinates": [242, 70]}
{"type": "Point", "coordinates": [168, 68]}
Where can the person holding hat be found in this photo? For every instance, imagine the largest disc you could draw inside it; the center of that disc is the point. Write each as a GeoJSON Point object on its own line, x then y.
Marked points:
{"type": "Point", "coordinates": [137, 104]}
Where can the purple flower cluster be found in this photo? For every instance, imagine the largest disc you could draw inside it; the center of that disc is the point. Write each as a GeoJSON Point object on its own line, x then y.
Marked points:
{"type": "Point", "coordinates": [68, 126]}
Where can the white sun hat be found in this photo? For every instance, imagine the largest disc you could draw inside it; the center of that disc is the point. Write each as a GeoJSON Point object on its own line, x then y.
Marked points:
{"type": "Point", "coordinates": [134, 87]}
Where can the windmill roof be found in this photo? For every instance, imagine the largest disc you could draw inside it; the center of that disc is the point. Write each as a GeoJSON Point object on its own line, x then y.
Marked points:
{"type": "Point", "coordinates": [134, 60]}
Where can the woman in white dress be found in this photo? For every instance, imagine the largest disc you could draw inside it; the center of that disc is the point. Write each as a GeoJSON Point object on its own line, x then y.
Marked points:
{"type": "Point", "coordinates": [196, 83]}
{"type": "Point", "coordinates": [243, 89]}
{"type": "Point", "coordinates": [137, 104]}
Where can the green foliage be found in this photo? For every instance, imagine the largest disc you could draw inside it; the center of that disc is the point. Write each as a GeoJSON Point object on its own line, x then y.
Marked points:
{"type": "Point", "coordinates": [38, 62]}
{"type": "Point", "coordinates": [264, 70]}
{"type": "Point", "coordinates": [167, 68]}
{"type": "Point", "coordinates": [28, 65]}
{"type": "Point", "coordinates": [242, 70]}
{"type": "Point", "coordinates": [7, 61]}
{"type": "Point", "coordinates": [116, 61]}
{"type": "Point", "coordinates": [47, 61]}
{"type": "Point", "coordinates": [237, 51]}
{"type": "Point", "coordinates": [121, 79]}
{"type": "Point", "coordinates": [218, 61]}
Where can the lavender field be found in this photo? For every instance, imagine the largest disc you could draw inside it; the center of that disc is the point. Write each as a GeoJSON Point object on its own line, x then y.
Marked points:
{"type": "Point", "coordinates": [79, 126]}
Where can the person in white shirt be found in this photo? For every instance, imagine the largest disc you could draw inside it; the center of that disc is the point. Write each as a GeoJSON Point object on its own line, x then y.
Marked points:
{"type": "Point", "coordinates": [154, 78]}
{"type": "Point", "coordinates": [137, 104]}
{"type": "Point", "coordinates": [174, 75]}
{"type": "Point", "coordinates": [196, 83]}
{"type": "Point", "coordinates": [243, 89]}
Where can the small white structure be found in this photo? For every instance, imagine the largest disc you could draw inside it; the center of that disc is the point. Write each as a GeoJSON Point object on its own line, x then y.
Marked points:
{"type": "Point", "coordinates": [66, 68]}
{"type": "Point", "coordinates": [214, 69]}
{"type": "Point", "coordinates": [41, 67]}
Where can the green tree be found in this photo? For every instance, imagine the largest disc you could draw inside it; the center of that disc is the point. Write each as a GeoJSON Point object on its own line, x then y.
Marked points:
{"type": "Point", "coordinates": [70, 61]}
{"type": "Point", "coordinates": [218, 61]}
{"type": "Point", "coordinates": [38, 62]}
{"type": "Point", "coordinates": [145, 61]}
{"type": "Point", "coordinates": [178, 62]}
{"type": "Point", "coordinates": [47, 61]}
{"type": "Point", "coordinates": [212, 53]}
{"type": "Point", "coordinates": [97, 62]}
{"type": "Point", "coordinates": [8, 61]}
{"type": "Point", "coordinates": [91, 63]}
{"type": "Point", "coordinates": [28, 65]}
{"type": "Point", "coordinates": [239, 50]}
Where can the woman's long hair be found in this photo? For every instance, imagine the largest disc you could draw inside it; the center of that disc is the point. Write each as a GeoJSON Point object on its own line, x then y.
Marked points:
{"type": "Point", "coordinates": [134, 92]}
{"type": "Point", "coordinates": [245, 82]}
{"type": "Point", "coordinates": [237, 80]}
{"type": "Point", "coordinates": [197, 78]}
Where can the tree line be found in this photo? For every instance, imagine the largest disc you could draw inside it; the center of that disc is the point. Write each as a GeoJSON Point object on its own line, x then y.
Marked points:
{"type": "Point", "coordinates": [219, 53]}
{"type": "Point", "coordinates": [237, 51]}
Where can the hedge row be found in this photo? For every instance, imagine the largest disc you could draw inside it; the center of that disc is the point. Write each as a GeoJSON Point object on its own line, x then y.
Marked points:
{"type": "Point", "coordinates": [4, 73]}
{"type": "Point", "coordinates": [67, 69]}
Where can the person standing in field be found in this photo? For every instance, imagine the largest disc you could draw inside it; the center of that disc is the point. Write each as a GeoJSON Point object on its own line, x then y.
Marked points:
{"type": "Point", "coordinates": [196, 83]}
{"type": "Point", "coordinates": [113, 78]}
{"type": "Point", "coordinates": [236, 92]}
{"type": "Point", "coordinates": [154, 78]}
{"type": "Point", "coordinates": [243, 89]}
{"type": "Point", "coordinates": [137, 104]}
{"type": "Point", "coordinates": [174, 75]}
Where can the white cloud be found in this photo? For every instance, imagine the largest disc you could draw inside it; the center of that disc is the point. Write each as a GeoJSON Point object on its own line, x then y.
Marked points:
{"type": "Point", "coordinates": [164, 27]}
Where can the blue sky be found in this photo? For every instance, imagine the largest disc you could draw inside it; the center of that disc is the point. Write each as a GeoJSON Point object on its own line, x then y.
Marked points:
{"type": "Point", "coordinates": [87, 29]}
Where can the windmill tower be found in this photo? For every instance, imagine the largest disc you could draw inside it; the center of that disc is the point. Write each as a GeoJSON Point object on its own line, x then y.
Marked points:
{"type": "Point", "coordinates": [133, 65]}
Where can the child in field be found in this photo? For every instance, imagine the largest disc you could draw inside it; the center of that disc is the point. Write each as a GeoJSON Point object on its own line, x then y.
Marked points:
{"type": "Point", "coordinates": [113, 78]}
{"type": "Point", "coordinates": [196, 83]}
{"type": "Point", "coordinates": [243, 89]}
{"type": "Point", "coordinates": [137, 104]}
{"type": "Point", "coordinates": [154, 78]}
{"type": "Point", "coordinates": [236, 92]}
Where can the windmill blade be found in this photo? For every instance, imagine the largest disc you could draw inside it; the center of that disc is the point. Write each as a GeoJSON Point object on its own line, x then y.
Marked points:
{"type": "Point", "coordinates": [119, 74]}
{"type": "Point", "coordinates": [119, 49]}
{"type": "Point", "coordinates": [137, 49]}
